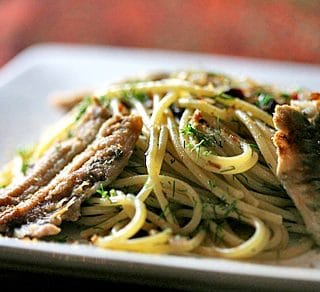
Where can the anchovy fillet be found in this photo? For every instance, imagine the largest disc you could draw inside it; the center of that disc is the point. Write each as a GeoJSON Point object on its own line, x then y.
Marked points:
{"type": "Point", "coordinates": [298, 148]}
{"type": "Point", "coordinates": [58, 156]}
{"type": "Point", "coordinates": [101, 162]}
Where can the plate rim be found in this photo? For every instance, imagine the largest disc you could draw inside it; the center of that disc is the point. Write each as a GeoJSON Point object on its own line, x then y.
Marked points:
{"type": "Point", "coordinates": [24, 61]}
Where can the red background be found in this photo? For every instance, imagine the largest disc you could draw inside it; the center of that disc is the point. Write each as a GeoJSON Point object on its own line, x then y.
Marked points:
{"type": "Point", "coordinates": [285, 29]}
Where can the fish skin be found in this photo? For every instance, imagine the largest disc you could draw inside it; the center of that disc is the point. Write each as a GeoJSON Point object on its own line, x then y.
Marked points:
{"type": "Point", "coordinates": [102, 161]}
{"type": "Point", "coordinates": [57, 156]}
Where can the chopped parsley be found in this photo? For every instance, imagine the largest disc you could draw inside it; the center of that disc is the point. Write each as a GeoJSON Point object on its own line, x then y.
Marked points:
{"type": "Point", "coordinates": [266, 101]}
{"type": "Point", "coordinates": [24, 167]}
{"type": "Point", "coordinates": [82, 107]}
{"type": "Point", "coordinates": [218, 235]}
{"type": "Point", "coordinates": [24, 153]}
{"type": "Point", "coordinates": [112, 193]}
{"type": "Point", "coordinates": [173, 188]}
{"type": "Point", "coordinates": [228, 208]}
{"type": "Point", "coordinates": [244, 177]}
{"type": "Point", "coordinates": [102, 192]}
{"type": "Point", "coordinates": [230, 168]}
{"type": "Point", "coordinates": [138, 95]}
{"type": "Point", "coordinates": [225, 96]}
{"type": "Point", "coordinates": [204, 139]}
{"type": "Point", "coordinates": [211, 184]}
{"type": "Point", "coordinates": [164, 212]}
{"type": "Point", "coordinates": [196, 147]}
{"type": "Point", "coordinates": [254, 146]}
{"type": "Point", "coordinates": [104, 100]}
{"type": "Point", "coordinates": [286, 97]}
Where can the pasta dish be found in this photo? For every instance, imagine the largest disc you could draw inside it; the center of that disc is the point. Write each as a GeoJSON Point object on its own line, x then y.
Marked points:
{"type": "Point", "coordinates": [185, 163]}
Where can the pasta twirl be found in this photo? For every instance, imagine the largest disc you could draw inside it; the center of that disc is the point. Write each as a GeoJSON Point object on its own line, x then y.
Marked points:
{"type": "Point", "coordinates": [202, 177]}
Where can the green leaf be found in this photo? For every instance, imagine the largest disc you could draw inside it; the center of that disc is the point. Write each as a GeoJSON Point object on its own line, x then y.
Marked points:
{"type": "Point", "coordinates": [264, 99]}
{"type": "Point", "coordinates": [24, 167]}
{"type": "Point", "coordinates": [102, 192]}
{"type": "Point", "coordinates": [138, 95]}
{"type": "Point", "coordinates": [225, 96]}
{"type": "Point", "coordinates": [82, 107]}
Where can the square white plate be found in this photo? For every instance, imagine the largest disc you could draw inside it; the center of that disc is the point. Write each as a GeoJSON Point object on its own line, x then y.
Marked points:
{"type": "Point", "coordinates": [26, 82]}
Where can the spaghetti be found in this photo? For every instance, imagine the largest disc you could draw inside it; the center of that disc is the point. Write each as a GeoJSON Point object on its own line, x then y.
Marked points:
{"type": "Point", "coordinates": [202, 177]}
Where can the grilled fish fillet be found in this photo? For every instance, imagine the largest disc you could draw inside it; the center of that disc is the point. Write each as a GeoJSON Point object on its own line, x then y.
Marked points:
{"type": "Point", "coordinates": [101, 162]}
{"type": "Point", "coordinates": [58, 156]}
{"type": "Point", "coordinates": [298, 149]}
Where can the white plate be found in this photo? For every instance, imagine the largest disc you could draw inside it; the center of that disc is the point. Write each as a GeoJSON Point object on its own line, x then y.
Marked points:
{"type": "Point", "coordinates": [25, 84]}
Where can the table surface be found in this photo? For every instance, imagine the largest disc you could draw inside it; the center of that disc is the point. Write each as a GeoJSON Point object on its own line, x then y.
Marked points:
{"type": "Point", "coordinates": [283, 30]}
{"type": "Point", "coordinates": [48, 280]}
{"type": "Point", "coordinates": [44, 281]}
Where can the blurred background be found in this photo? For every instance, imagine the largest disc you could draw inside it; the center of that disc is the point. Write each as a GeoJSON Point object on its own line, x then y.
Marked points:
{"type": "Point", "coordinates": [286, 30]}
{"type": "Point", "coordinates": [283, 30]}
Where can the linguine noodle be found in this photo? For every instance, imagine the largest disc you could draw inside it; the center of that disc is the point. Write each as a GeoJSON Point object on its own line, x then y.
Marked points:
{"type": "Point", "coordinates": [202, 178]}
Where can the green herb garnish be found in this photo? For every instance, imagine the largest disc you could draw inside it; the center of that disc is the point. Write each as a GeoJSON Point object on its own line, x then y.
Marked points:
{"type": "Point", "coordinates": [264, 99]}
{"type": "Point", "coordinates": [102, 192]}
{"type": "Point", "coordinates": [205, 139]}
{"type": "Point", "coordinates": [24, 167]}
{"type": "Point", "coordinates": [211, 184]}
{"type": "Point", "coordinates": [82, 107]}
{"type": "Point", "coordinates": [230, 168]}
{"type": "Point", "coordinates": [24, 153]}
{"type": "Point", "coordinates": [218, 235]}
{"type": "Point", "coordinates": [225, 96]}
{"type": "Point", "coordinates": [255, 147]}
{"type": "Point", "coordinates": [286, 97]}
{"type": "Point", "coordinates": [138, 95]}
{"type": "Point", "coordinates": [104, 100]}
{"type": "Point", "coordinates": [228, 208]}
